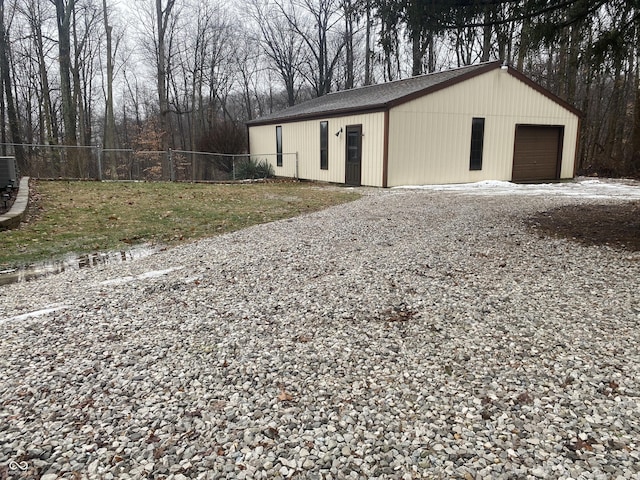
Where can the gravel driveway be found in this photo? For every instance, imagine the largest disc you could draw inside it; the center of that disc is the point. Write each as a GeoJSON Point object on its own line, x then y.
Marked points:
{"type": "Point", "coordinates": [410, 334]}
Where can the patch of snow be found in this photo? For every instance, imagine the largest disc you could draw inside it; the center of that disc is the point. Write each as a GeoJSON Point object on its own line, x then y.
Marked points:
{"type": "Point", "coordinates": [583, 188]}
{"type": "Point", "coordinates": [142, 276]}
{"type": "Point", "coordinates": [36, 313]}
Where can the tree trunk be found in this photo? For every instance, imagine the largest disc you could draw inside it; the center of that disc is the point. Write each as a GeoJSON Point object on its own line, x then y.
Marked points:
{"type": "Point", "coordinates": [416, 53]}
{"type": "Point", "coordinates": [585, 136]}
{"type": "Point", "coordinates": [162, 19]}
{"type": "Point", "coordinates": [321, 88]}
{"type": "Point", "coordinates": [109, 137]}
{"type": "Point", "coordinates": [616, 115]}
{"type": "Point", "coordinates": [523, 47]}
{"type": "Point", "coordinates": [367, 49]}
{"type": "Point", "coordinates": [50, 130]}
{"type": "Point", "coordinates": [417, 32]}
{"type": "Point", "coordinates": [64, 14]}
{"type": "Point", "coordinates": [3, 116]}
{"type": "Point", "coordinates": [78, 156]}
{"type": "Point", "coordinates": [573, 62]}
{"type": "Point", "coordinates": [5, 71]}
{"type": "Point", "coordinates": [561, 77]}
{"type": "Point", "coordinates": [486, 37]}
{"type": "Point", "coordinates": [635, 132]}
{"type": "Point", "coordinates": [635, 135]}
{"type": "Point", "coordinates": [431, 56]}
{"type": "Point", "coordinates": [348, 29]}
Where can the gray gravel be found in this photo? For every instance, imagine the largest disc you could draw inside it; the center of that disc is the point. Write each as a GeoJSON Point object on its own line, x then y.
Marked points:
{"type": "Point", "coordinates": [410, 334]}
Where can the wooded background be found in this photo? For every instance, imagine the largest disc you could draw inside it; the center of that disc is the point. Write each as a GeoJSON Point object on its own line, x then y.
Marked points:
{"type": "Point", "coordinates": [186, 74]}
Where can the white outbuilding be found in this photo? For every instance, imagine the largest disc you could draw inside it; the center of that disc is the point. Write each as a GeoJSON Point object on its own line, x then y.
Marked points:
{"type": "Point", "coordinates": [481, 122]}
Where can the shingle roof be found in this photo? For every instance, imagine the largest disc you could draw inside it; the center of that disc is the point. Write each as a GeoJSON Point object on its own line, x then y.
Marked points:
{"type": "Point", "coordinates": [375, 97]}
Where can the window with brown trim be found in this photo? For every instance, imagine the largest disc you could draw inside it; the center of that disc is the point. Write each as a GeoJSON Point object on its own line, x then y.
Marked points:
{"type": "Point", "coordinates": [279, 146]}
{"type": "Point", "coordinates": [477, 144]}
{"type": "Point", "coordinates": [324, 145]}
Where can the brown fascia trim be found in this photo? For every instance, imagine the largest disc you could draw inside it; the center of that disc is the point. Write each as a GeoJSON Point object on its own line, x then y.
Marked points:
{"type": "Point", "coordinates": [540, 89]}
{"type": "Point", "coordinates": [377, 107]}
{"type": "Point", "coordinates": [446, 84]}
{"type": "Point", "coordinates": [420, 93]}
{"type": "Point", "coordinates": [385, 149]}
{"type": "Point", "coordinates": [343, 112]}
{"type": "Point", "coordinates": [479, 71]}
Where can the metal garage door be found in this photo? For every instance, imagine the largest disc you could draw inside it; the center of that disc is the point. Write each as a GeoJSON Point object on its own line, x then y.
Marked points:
{"type": "Point", "coordinates": [537, 153]}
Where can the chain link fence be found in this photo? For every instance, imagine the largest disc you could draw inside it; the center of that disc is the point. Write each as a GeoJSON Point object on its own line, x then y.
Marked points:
{"type": "Point", "coordinates": [54, 161]}
{"type": "Point", "coordinates": [96, 163]}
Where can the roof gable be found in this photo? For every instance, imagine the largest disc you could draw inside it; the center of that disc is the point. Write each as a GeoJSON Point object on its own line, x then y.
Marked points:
{"type": "Point", "coordinates": [385, 95]}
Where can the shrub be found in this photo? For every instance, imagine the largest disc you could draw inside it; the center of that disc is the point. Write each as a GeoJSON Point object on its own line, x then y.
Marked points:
{"type": "Point", "coordinates": [253, 169]}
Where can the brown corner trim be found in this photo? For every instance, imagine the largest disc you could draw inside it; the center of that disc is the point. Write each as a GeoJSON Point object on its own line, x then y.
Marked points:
{"type": "Point", "coordinates": [248, 135]}
{"type": "Point", "coordinates": [385, 150]}
{"type": "Point", "coordinates": [559, 154]}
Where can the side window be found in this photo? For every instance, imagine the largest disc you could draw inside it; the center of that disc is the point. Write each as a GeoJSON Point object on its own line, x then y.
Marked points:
{"type": "Point", "coordinates": [324, 145]}
{"type": "Point", "coordinates": [477, 141]}
{"type": "Point", "coordinates": [279, 146]}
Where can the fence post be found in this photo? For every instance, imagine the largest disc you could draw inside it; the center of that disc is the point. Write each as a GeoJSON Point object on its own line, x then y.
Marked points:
{"type": "Point", "coordinates": [233, 167]}
{"type": "Point", "coordinates": [296, 165]}
{"type": "Point", "coordinates": [171, 174]}
{"type": "Point", "coordinates": [99, 148]}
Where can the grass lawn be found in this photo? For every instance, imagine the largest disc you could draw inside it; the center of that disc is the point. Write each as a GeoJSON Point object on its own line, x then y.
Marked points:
{"type": "Point", "coordinates": [84, 217]}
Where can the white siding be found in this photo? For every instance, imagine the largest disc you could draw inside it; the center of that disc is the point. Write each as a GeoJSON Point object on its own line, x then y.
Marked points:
{"type": "Point", "coordinates": [430, 137]}
{"type": "Point", "coordinates": [303, 138]}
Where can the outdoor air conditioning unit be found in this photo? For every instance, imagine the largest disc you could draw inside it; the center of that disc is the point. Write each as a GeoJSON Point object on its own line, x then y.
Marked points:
{"type": "Point", "coordinates": [8, 171]}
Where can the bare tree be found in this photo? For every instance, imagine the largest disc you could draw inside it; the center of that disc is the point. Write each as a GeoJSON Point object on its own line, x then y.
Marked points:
{"type": "Point", "coordinates": [86, 49]}
{"type": "Point", "coordinates": [109, 137]}
{"type": "Point", "coordinates": [157, 27]}
{"type": "Point", "coordinates": [246, 57]}
{"type": "Point", "coordinates": [635, 135]}
{"type": "Point", "coordinates": [350, 15]}
{"type": "Point", "coordinates": [163, 23]}
{"type": "Point", "coordinates": [35, 17]}
{"type": "Point", "coordinates": [64, 15]}
{"type": "Point", "coordinates": [5, 78]}
{"type": "Point", "coordinates": [318, 24]}
{"type": "Point", "coordinates": [208, 69]}
{"type": "Point", "coordinates": [389, 39]}
{"type": "Point", "coordinates": [368, 54]}
{"type": "Point", "coordinates": [282, 45]}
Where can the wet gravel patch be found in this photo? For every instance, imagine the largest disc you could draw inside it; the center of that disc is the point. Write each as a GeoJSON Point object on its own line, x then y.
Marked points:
{"type": "Point", "coordinates": [616, 224]}
{"type": "Point", "coordinates": [409, 334]}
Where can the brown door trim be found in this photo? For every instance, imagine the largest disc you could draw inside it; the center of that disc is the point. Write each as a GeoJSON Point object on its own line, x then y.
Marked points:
{"type": "Point", "coordinates": [353, 155]}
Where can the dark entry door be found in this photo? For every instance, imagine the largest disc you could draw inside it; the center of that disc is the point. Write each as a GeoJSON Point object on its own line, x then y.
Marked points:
{"type": "Point", "coordinates": [537, 153]}
{"type": "Point", "coordinates": [353, 171]}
